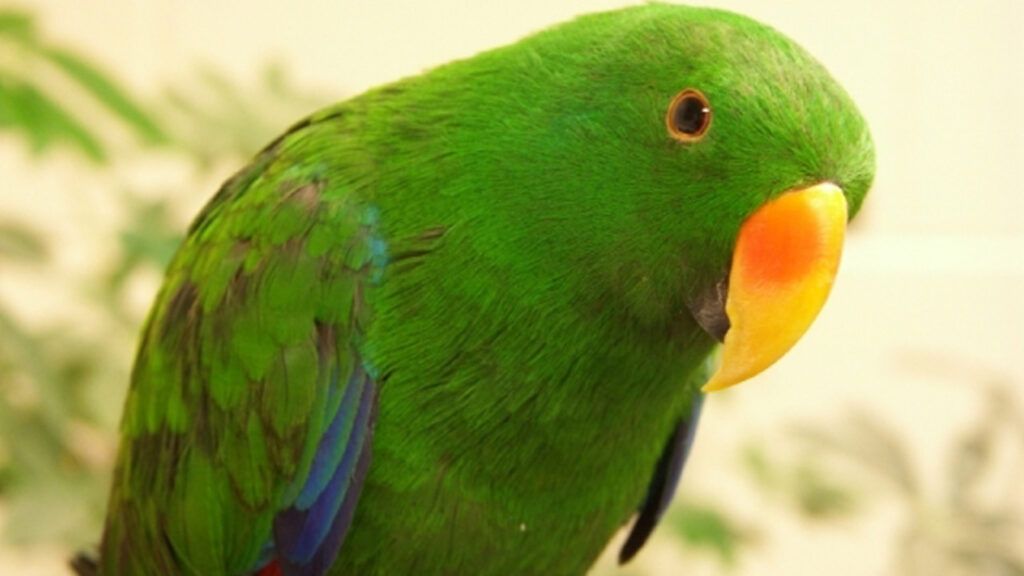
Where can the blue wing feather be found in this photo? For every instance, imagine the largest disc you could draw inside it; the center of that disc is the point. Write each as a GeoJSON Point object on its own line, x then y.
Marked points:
{"type": "Point", "coordinates": [328, 550]}
{"type": "Point", "coordinates": [308, 534]}
{"type": "Point", "coordinates": [332, 446]}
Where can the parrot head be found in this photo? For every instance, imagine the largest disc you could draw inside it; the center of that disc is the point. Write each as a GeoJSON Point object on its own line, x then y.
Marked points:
{"type": "Point", "coordinates": [699, 166]}
{"type": "Point", "coordinates": [775, 159]}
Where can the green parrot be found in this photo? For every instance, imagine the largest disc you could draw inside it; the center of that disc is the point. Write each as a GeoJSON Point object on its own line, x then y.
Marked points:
{"type": "Point", "coordinates": [463, 323]}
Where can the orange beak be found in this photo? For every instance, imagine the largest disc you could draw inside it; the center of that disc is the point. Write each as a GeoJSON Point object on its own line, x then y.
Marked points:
{"type": "Point", "coordinates": [786, 258]}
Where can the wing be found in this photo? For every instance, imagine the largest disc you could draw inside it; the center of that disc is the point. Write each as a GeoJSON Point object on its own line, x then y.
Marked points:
{"type": "Point", "coordinates": [663, 484]}
{"type": "Point", "coordinates": [248, 424]}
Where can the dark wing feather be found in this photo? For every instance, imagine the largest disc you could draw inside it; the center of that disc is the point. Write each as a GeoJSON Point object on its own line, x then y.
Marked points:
{"type": "Point", "coordinates": [663, 484]}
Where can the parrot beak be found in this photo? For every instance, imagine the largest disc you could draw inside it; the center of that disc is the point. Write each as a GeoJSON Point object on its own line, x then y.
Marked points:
{"type": "Point", "coordinates": [783, 266]}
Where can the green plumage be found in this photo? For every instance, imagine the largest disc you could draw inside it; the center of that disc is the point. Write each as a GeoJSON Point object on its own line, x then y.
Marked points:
{"type": "Point", "coordinates": [505, 244]}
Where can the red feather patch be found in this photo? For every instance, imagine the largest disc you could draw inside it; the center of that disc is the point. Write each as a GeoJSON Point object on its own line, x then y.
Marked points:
{"type": "Point", "coordinates": [272, 569]}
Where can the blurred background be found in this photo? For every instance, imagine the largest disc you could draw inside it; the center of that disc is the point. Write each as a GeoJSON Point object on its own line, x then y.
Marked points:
{"type": "Point", "coordinates": [890, 441]}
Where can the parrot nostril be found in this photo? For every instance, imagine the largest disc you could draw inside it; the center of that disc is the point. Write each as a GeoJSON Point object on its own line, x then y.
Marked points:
{"type": "Point", "coordinates": [708, 309]}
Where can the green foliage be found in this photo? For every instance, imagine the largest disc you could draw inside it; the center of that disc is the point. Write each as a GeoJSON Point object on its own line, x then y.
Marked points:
{"type": "Point", "coordinates": [214, 117]}
{"type": "Point", "coordinates": [55, 448]}
{"type": "Point", "coordinates": [62, 380]}
{"type": "Point", "coordinates": [971, 527]}
{"type": "Point", "coordinates": [34, 100]}
{"type": "Point", "coordinates": [100, 86]}
{"type": "Point", "coordinates": [21, 244]}
{"type": "Point", "coordinates": [875, 446]}
{"type": "Point", "coordinates": [968, 527]}
{"type": "Point", "coordinates": [802, 483]}
{"type": "Point", "coordinates": [145, 245]}
{"type": "Point", "coordinates": [49, 480]}
{"type": "Point", "coordinates": [23, 107]}
{"type": "Point", "coordinates": [705, 527]}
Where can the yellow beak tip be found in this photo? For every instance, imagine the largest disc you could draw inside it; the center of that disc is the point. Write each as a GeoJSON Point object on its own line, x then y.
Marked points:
{"type": "Point", "coordinates": [722, 379]}
{"type": "Point", "coordinates": [713, 386]}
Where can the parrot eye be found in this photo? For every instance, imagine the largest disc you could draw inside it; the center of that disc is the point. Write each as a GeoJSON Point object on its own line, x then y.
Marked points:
{"type": "Point", "coordinates": [689, 116]}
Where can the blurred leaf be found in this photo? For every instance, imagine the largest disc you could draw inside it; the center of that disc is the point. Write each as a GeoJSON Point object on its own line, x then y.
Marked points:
{"type": "Point", "coordinates": [89, 77]}
{"type": "Point", "coordinates": [704, 527]}
{"type": "Point", "coordinates": [61, 388]}
{"type": "Point", "coordinates": [21, 243]}
{"type": "Point", "coordinates": [275, 78]}
{"type": "Point", "coordinates": [969, 460]}
{"type": "Point", "coordinates": [230, 95]}
{"type": "Point", "coordinates": [215, 117]}
{"type": "Point", "coordinates": [50, 491]}
{"type": "Point", "coordinates": [31, 103]}
{"type": "Point", "coordinates": [57, 506]}
{"type": "Point", "coordinates": [809, 486]}
{"type": "Point", "coordinates": [863, 440]}
{"type": "Point", "coordinates": [756, 463]}
{"type": "Point", "coordinates": [17, 25]}
{"type": "Point", "coordinates": [977, 530]}
{"type": "Point", "coordinates": [149, 241]}
{"type": "Point", "coordinates": [24, 108]}
{"type": "Point", "coordinates": [152, 236]}
{"type": "Point", "coordinates": [820, 496]}
{"type": "Point", "coordinates": [23, 349]}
